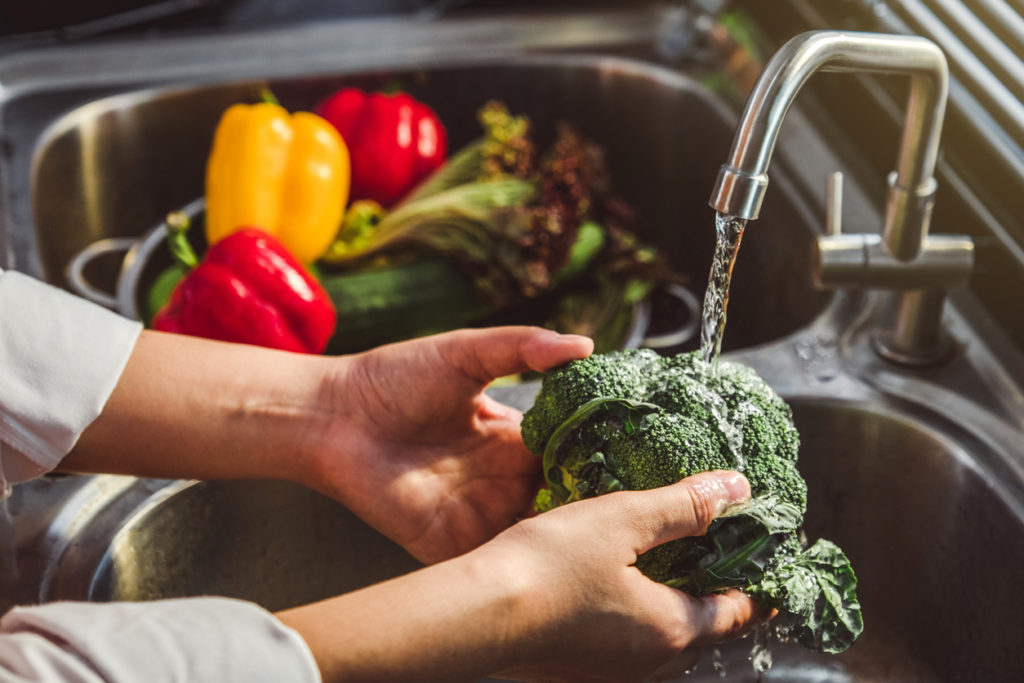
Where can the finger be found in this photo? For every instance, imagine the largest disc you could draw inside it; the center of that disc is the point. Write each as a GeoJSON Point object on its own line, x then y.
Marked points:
{"type": "Point", "coordinates": [492, 409]}
{"type": "Point", "coordinates": [498, 351]}
{"type": "Point", "coordinates": [683, 509]}
{"type": "Point", "coordinates": [725, 616]}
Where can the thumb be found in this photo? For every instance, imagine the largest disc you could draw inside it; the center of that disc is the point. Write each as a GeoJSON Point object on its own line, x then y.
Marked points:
{"type": "Point", "coordinates": [486, 354]}
{"type": "Point", "coordinates": [686, 508]}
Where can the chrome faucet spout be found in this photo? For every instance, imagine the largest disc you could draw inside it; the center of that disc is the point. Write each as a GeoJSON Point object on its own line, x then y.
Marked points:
{"type": "Point", "coordinates": [913, 267]}
{"type": "Point", "coordinates": [743, 179]}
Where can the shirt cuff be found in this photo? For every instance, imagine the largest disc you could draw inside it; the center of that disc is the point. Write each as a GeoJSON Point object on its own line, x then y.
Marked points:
{"type": "Point", "coordinates": [188, 640]}
{"type": "Point", "coordinates": [60, 358]}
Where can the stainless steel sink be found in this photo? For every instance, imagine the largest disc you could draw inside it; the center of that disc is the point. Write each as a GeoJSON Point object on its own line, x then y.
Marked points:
{"type": "Point", "coordinates": [274, 543]}
{"type": "Point", "coordinates": [936, 542]}
{"type": "Point", "coordinates": [115, 166]}
{"type": "Point", "coordinates": [918, 474]}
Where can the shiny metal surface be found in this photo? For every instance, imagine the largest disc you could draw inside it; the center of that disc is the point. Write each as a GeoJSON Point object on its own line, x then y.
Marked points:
{"type": "Point", "coordinates": [863, 260]}
{"type": "Point", "coordinates": [276, 544]}
{"type": "Point", "coordinates": [898, 487]}
{"type": "Point", "coordinates": [743, 179]}
{"type": "Point", "coordinates": [919, 475]}
{"type": "Point", "coordinates": [913, 335]}
{"type": "Point", "coordinates": [116, 166]}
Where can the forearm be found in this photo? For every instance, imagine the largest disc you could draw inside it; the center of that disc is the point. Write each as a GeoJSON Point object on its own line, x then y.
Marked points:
{"type": "Point", "coordinates": [187, 407]}
{"type": "Point", "coordinates": [449, 622]}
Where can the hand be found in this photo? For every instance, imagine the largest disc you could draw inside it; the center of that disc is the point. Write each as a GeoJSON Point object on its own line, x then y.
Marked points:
{"type": "Point", "coordinates": [591, 614]}
{"type": "Point", "coordinates": [417, 450]}
{"type": "Point", "coordinates": [555, 598]}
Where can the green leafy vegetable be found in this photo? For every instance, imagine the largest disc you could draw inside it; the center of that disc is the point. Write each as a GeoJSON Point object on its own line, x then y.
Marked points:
{"type": "Point", "coordinates": [517, 223]}
{"type": "Point", "coordinates": [636, 420]}
{"type": "Point", "coordinates": [817, 591]}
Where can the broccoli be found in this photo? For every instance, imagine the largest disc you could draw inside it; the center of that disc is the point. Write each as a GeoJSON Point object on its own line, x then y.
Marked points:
{"type": "Point", "coordinates": [635, 420]}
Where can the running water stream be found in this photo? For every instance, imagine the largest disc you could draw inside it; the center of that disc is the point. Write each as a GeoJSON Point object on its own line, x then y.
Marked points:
{"type": "Point", "coordinates": [729, 233]}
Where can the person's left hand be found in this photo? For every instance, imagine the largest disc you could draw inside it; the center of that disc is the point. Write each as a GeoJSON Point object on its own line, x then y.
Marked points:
{"type": "Point", "coordinates": [414, 447]}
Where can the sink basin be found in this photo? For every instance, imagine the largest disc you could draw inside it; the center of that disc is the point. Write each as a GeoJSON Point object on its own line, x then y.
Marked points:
{"type": "Point", "coordinates": [116, 166]}
{"type": "Point", "coordinates": [273, 543]}
{"type": "Point", "coordinates": [102, 141]}
{"type": "Point", "coordinates": [937, 551]}
{"type": "Point", "coordinates": [918, 520]}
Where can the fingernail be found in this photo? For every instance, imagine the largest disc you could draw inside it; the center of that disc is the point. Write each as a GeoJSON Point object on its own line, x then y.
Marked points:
{"type": "Point", "coordinates": [579, 340]}
{"type": "Point", "coordinates": [736, 485]}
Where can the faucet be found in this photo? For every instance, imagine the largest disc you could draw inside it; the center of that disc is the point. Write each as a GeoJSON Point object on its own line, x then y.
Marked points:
{"type": "Point", "coordinates": [915, 267]}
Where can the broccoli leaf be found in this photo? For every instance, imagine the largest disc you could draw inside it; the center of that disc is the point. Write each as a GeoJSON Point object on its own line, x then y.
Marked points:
{"type": "Point", "coordinates": [561, 475]}
{"type": "Point", "coordinates": [737, 546]}
{"type": "Point", "coordinates": [817, 591]}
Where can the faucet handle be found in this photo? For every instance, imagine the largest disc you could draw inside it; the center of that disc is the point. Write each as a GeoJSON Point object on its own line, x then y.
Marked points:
{"type": "Point", "coordinates": [834, 204]}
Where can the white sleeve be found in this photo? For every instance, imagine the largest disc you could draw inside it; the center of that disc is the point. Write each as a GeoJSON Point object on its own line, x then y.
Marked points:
{"type": "Point", "coordinates": [60, 357]}
{"type": "Point", "coordinates": [188, 640]}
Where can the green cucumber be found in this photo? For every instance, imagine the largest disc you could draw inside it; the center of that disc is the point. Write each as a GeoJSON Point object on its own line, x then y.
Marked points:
{"type": "Point", "coordinates": [394, 302]}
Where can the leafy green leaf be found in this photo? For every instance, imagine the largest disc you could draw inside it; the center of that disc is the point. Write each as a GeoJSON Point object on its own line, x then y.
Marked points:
{"type": "Point", "coordinates": [558, 473]}
{"type": "Point", "coordinates": [737, 546]}
{"type": "Point", "coordinates": [817, 591]}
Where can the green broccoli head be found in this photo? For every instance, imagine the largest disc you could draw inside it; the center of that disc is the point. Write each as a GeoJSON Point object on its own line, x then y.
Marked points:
{"type": "Point", "coordinates": [635, 420]}
{"type": "Point", "coordinates": [692, 417]}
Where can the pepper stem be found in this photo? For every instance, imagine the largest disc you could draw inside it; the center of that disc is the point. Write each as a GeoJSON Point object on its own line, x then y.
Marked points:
{"type": "Point", "coordinates": [177, 239]}
{"type": "Point", "coordinates": [267, 96]}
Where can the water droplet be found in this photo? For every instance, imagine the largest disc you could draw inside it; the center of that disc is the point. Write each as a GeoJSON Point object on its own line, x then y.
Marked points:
{"type": "Point", "coordinates": [716, 662]}
{"type": "Point", "coordinates": [819, 356]}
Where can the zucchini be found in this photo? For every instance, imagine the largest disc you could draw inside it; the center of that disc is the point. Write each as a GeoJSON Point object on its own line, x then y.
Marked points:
{"type": "Point", "coordinates": [389, 303]}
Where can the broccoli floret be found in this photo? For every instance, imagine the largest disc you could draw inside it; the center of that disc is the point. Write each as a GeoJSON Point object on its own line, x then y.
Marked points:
{"type": "Point", "coordinates": [668, 448]}
{"type": "Point", "coordinates": [702, 418]}
{"type": "Point", "coordinates": [635, 420]}
{"type": "Point", "coordinates": [568, 388]}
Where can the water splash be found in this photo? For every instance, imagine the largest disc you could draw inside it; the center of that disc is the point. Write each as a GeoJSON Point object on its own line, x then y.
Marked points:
{"type": "Point", "coordinates": [699, 387]}
{"type": "Point", "coordinates": [729, 234]}
{"type": "Point", "coordinates": [761, 654]}
{"type": "Point", "coordinates": [717, 664]}
{"type": "Point", "coordinates": [818, 356]}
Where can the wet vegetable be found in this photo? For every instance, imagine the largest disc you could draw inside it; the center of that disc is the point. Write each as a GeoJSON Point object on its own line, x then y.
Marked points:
{"type": "Point", "coordinates": [634, 420]}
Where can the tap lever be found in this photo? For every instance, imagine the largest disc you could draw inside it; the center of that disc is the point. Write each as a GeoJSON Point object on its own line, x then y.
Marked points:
{"type": "Point", "coordinates": [834, 204]}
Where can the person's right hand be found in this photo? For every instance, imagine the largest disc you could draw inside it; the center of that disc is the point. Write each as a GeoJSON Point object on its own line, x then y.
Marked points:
{"type": "Point", "coordinates": [588, 614]}
{"type": "Point", "coordinates": [556, 597]}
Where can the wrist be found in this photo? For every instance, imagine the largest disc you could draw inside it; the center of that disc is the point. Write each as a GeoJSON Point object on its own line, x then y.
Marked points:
{"type": "Point", "coordinates": [331, 444]}
{"type": "Point", "coordinates": [295, 416]}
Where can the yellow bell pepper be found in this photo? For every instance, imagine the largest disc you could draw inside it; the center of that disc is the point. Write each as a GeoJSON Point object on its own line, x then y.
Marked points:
{"type": "Point", "coordinates": [287, 174]}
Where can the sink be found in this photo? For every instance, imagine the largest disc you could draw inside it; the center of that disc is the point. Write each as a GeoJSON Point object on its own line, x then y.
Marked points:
{"type": "Point", "coordinates": [117, 165]}
{"type": "Point", "coordinates": [936, 547]}
{"type": "Point", "coordinates": [918, 518]}
{"type": "Point", "coordinates": [918, 475]}
{"type": "Point", "coordinates": [270, 542]}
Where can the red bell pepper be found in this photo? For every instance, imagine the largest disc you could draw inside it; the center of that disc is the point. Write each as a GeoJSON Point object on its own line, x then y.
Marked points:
{"type": "Point", "coordinates": [249, 289]}
{"type": "Point", "coordinates": [394, 141]}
